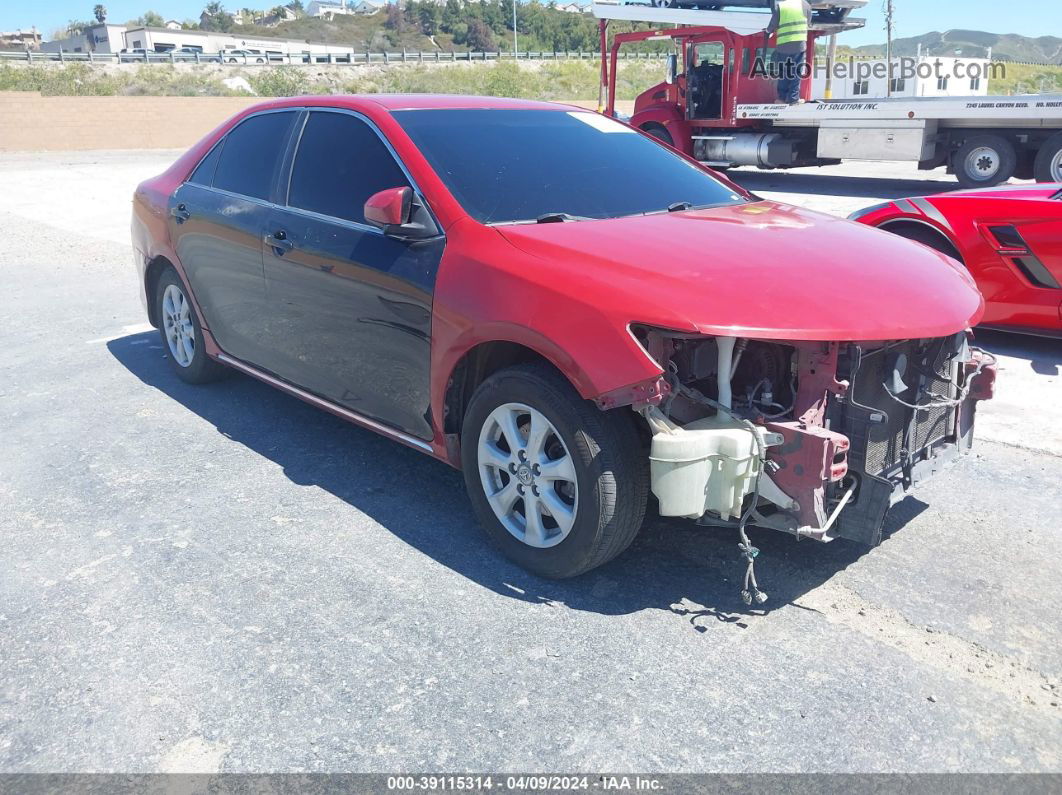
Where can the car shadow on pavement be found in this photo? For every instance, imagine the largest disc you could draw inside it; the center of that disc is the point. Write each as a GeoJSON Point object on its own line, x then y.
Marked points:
{"type": "Point", "coordinates": [1043, 354]}
{"type": "Point", "coordinates": [677, 566]}
{"type": "Point", "coordinates": [836, 185]}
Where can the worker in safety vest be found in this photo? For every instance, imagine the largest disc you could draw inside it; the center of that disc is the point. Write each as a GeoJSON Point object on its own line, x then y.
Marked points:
{"type": "Point", "coordinates": [790, 21]}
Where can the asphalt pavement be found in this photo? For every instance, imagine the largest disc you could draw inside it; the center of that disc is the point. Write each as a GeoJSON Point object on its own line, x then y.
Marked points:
{"type": "Point", "coordinates": [224, 578]}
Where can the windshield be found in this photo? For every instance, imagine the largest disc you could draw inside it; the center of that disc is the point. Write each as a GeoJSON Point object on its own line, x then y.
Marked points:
{"type": "Point", "coordinates": [508, 166]}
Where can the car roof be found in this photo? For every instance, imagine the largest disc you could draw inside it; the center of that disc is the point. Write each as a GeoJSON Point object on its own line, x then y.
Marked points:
{"type": "Point", "coordinates": [393, 102]}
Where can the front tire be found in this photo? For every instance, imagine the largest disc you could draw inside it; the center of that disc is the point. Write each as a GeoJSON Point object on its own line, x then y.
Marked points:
{"type": "Point", "coordinates": [658, 131]}
{"type": "Point", "coordinates": [182, 336]}
{"type": "Point", "coordinates": [559, 485]}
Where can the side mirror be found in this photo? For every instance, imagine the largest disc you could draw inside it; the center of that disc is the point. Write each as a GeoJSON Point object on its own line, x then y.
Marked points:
{"type": "Point", "coordinates": [399, 213]}
{"type": "Point", "coordinates": [389, 207]}
{"type": "Point", "coordinates": [672, 69]}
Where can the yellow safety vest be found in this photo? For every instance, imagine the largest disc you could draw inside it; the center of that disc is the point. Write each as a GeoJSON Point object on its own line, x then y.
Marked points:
{"type": "Point", "coordinates": [792, 24]}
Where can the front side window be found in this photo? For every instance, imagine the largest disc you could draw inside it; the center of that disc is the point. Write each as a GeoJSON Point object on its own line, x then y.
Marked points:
{"type": "Point", "coordinates": [508, 166]}
{"type": "Point", "coordinates": [250, 154]}
{"type": "Point", "coordinates": [341, 162]}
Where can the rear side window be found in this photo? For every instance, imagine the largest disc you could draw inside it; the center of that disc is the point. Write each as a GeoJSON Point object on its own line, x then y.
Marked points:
{"type": "Point", "coordinates": [204, 172]}
{"type": "Point", "coordinates": [250, 155]}
{"type": "Point", "coordinates": [341, 162]}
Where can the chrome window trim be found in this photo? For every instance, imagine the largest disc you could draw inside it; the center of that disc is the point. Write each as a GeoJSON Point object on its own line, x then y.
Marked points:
{"type": "Point", "coordinates": [287, 205]}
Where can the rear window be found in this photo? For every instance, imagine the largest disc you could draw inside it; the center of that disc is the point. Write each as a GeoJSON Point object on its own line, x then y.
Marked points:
{"type": "Point", "coordinates": [249, 158]}
{"type": "Point", "coordinates": [521, 165]}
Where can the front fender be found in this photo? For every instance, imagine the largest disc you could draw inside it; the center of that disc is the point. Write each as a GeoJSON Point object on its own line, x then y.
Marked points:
{"type": "Point", "coordinates": [501, 294]}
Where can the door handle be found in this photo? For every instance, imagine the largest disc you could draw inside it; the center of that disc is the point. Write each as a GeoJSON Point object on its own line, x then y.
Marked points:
{"type": "Point", "coordinates": [180, 212]}
{"type": "Point", "coordinates": [279, 242]}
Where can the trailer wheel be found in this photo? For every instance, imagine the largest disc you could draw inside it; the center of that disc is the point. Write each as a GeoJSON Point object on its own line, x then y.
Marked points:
{"type": "Point", "coordinates": [659, 132]}
{"type": "Point", "coordinates": [1049, 160]}
{"type": "Point", "coordinates": [984, 161]}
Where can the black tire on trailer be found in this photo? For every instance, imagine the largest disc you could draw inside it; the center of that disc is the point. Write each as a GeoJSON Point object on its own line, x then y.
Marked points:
{"type": "Point", "coordinates": [1048, 166]}
{"type": "Point", "coordinates": [658, 131]}
{"type": "Point", "coordinates": [984, 161]}
{"type": "Point", "coordinates": [559, 485]}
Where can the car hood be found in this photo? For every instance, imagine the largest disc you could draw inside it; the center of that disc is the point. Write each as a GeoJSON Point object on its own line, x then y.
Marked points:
{"type": "Point", "coordinates": [762, 269]}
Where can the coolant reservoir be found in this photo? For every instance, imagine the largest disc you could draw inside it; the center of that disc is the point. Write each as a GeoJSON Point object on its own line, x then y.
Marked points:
{"type": "Point", "coordinates": [708, 465]}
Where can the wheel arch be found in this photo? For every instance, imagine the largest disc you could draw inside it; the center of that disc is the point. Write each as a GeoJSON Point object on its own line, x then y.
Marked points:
{"type": "Point", "coordinates": [668, 117]}
{"type": "Point", "coordinates": [152, 273]}
{"type": "Point", "coordinates": [898, 226]}
{"type": "Point", "coordinates": [475, 366]}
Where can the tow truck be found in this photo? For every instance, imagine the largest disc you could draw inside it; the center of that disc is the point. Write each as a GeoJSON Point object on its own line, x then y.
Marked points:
{"type": "Point", "coordinates": [718, 104]}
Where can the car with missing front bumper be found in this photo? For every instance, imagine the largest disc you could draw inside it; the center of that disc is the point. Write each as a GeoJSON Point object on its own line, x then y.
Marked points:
{"type": "Point", "coordinates": [570, 312]}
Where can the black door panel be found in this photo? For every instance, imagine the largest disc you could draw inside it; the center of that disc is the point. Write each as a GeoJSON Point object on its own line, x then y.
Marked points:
{"type": "Point", "coordinates": [220, 247]}
{"type": "Point", "coordinates": [217, 221]}
{"type": "Point", "coordinates": [350, 308]}
{"type": "Point", "coordinates": [351, 316]}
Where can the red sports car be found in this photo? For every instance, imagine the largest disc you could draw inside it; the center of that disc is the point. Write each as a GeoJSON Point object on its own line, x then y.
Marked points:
{"type": "Point", "coordinates": [1010, 239]}
{"type": "Point", "coordinates": [567, 310]}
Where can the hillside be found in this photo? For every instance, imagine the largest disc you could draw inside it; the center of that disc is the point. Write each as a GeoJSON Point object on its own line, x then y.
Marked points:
{"type": "Point", "coordinates": [427, 26]}
{"type": "Point", "coordinates": [976, 44]}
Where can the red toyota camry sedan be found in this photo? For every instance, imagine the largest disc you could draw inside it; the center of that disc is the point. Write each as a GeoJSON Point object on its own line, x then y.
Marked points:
{"type": "Point", "coordinates": [567, 310]}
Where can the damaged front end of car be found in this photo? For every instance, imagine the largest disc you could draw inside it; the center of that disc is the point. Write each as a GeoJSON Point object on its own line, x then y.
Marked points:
{"type": "Point", "coordinates": [816, 439]}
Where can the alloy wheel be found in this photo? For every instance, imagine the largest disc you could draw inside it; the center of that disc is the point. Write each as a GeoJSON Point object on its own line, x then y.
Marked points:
{"type": "Point", "coordinates": [177, 324]}
{"type": "Point", "coordinates": [528, 475]}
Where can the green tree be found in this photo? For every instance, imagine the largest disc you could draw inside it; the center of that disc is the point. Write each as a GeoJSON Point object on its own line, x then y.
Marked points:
{"type": "Point", "coordinates": [452, 15]}
{"type": "Point", "coordinates": [429, 16]}
{"type": "Point", "coordinates": [296, 6]}
{"type": "Point", "coordinates": [479, 37]}
{"type": "Point", "coordinates": [152, 19]}
{"type": "Point", "coordinates": [100, 12]}
{"type": "Point", "coordinates": [396, 18]}
{"type": "Point", "coordinates": [76, 27]}
{"type": "Point", "coordinates": [215, 17]}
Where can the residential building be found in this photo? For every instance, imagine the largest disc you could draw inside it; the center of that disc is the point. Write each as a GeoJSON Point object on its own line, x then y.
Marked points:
{"type": "Point", "coordinates": [173, 24]}
{"type": "Point", "coordinates": [21, 39]}
{"type": "Point", "coordinates": [368, 6]}
{"type": "Point", "coordinates": [327, 8]}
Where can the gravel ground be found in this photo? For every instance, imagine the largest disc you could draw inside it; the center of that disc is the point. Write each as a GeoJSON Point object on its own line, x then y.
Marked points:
{"type": "Point", "coordinates": [224, 578]}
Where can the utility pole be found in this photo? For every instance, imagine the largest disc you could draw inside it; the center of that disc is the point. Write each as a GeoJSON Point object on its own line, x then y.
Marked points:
{"type": "Point", "coordinates": [889, 11]}
{"type": "Point", "coordinates": [516, 50]}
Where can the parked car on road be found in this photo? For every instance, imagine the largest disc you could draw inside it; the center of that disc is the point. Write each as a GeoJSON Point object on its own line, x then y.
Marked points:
{"type": "Point", "coordinates": [194, 55]}
{"type": "Point", "coordinates": [567, 310]}
{"type": "Point", "coordinates": [138, 54]}
{"type": "Point", "coordinates": [1010, 239]}
{"type": "Point", "coordinates": [244, 56]}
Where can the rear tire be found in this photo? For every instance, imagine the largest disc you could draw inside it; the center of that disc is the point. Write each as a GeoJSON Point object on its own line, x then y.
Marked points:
{"type": "Point", "coordinates": [1048, 166]}
{"type": "Point", "coordinates": [984, 161]}
{"type": "Point", "coordinates": [587, 459]}
{"type": "Point", "coordinates": [182, 336]}
{"type": "Point", "coordinates": [658, 131]}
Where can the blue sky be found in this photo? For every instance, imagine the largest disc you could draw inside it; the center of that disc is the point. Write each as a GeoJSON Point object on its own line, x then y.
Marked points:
{"type": "Point", "coordinates": [913, 17]}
